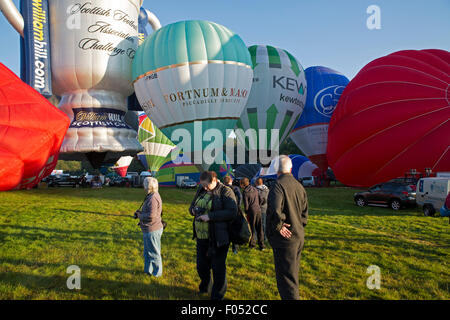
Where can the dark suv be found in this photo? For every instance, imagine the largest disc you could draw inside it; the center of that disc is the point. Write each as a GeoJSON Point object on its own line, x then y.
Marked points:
{"type": "Point", "coordinates": [392, 194]}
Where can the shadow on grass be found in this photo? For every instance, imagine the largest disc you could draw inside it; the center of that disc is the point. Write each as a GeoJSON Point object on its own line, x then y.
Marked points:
{"type": "Point", "coordinates": [98, 288]}
{"type": "Point", "coordinates": [35, 233]}
{"type": "Point", "coordinates": [366, 211]}
{"type": "Point", "coordinates": [375, 240]}
{"type": "Point", "coordinates": [32, 264]}
{"type": "Point", "coordinates": [95, 212]}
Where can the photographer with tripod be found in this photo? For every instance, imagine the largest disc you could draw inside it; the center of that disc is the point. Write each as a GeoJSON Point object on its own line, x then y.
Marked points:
{"type": "Point", "coordinates": [214, 207]}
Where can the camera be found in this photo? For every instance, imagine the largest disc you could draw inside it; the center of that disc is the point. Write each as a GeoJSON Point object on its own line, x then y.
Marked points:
{"type": "Point", "coordinates": [198, 211]}
{"type": "Point", "coordinates": [137, 213]}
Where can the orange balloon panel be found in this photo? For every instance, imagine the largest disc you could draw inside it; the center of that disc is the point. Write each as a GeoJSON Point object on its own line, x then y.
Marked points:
{"type": "Point", "coordinates": [392, 117]}
{"type": "Point", "coordinates": [31, 133]}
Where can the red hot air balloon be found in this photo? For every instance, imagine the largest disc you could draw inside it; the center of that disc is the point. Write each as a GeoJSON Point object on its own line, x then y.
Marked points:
{"type": "Point", "coordinates": [31, 133]}
{"type": "Point", "coordinates": [394, 116]}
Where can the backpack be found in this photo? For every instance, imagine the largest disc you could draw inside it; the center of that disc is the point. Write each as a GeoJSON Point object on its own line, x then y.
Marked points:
{"type": "Point", "coordinates": [239, 230]}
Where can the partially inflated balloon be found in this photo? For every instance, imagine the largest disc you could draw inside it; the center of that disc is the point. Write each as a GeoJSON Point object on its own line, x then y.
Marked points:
{"type": "Point", "coordinates": [193, 71]}
{"type": "Point", "coordinates": [301, 167]}
{"type": "Point", "coordinates": [310, 134]}
{"type": "Point", "coordinates": [156, 145]}
{"type": "Point", "coordinates": [121, 166]}
{"type": "Point", "coordinates": [277, 97]}
{"type": "Point", "coordinates": [394, 116]}
{"type": "Point", "coordinates": [31, 133]}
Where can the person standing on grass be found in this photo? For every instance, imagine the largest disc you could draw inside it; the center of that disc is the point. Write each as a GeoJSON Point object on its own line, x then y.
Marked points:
{"type": "Point", "coordinates": [152, 228]}
{"type": "Point", "coordinates": [228, 181]}
{"type": "Point", "coordinates": [253, 211]}
{"type": "Point", "coordinates": [214, 207]}
{"type": "Point", "coordinates": [287, 216]}
{"type": "Point", "coordinates": [263, 195]}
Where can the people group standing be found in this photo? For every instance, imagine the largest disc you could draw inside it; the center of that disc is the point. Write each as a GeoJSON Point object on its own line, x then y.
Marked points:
{"type": "Point", "coordinates": [280, 213]}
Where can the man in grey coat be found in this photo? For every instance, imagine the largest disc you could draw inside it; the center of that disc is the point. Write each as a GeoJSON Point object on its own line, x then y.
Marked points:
{"type": "Point", "coordinates": [287, 216]}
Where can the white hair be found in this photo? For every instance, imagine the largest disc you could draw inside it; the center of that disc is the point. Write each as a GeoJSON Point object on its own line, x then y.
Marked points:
{"type": "Point", "coordinates": [284, 164]}
{"type": "Point", "coordinates": [151, 184]}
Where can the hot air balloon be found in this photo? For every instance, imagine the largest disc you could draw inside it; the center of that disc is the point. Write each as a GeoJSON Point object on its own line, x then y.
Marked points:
{"type": "Point", "coordinates": [193, 76]}
{"type": "Point", "coordinates": [92, 47]}
{"type": "Point", "coordinates": [277, 97]}
{"type": "Point", "coordinates": [31, 133]}
{"type": "Point", "coordinates": [301, 167]}
{"type": "Point", "coordinates": [310, 134]}
{"type": "Point", "coordinates": [394, 116]}
{"type": "Point", "coordinates": [247, 170]}
{"type": "Point", "coordinates": [156, 145]}
{"type": "Point", "coordinates": [121, 166]}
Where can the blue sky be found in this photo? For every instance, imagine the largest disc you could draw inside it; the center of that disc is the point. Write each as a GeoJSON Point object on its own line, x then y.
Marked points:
{"type": "Point", "coordinates": [319, 32]}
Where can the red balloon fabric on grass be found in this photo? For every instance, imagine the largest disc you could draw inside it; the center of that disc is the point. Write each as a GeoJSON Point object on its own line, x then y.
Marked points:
{"type": "Point", "coordinates": [31, 133]}
{"type": "Point", "coordinates": [394, 116]}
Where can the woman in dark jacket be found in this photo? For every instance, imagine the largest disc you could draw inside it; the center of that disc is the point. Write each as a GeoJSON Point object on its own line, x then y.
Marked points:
{"type": "Point", "coordinates": [152, 228]}
{"type": "Point", "coordinates": [214, 207]}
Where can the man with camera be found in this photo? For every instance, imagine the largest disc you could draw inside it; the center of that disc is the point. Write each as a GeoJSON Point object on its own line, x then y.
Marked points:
{"type": "Point", "coordinates": [214, 207]}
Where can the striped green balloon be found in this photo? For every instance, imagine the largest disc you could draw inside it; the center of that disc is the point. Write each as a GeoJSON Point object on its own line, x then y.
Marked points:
{"type": "Point", "coordinates": [156, 145]}
{"type": "Point", "coordinates": [277, 97]}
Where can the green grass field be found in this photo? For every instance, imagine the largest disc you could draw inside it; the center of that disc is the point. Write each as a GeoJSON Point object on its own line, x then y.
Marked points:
{"type": "Point", "coordinates": [43, 231]}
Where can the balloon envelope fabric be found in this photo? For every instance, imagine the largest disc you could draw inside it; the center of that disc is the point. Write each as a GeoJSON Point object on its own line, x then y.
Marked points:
{"type": "Point", "coordinates": [31, 133]}
{"type": "Point", "coordinates": [310, 134]}
{"type": "Point", "coordinates": [391, 118]}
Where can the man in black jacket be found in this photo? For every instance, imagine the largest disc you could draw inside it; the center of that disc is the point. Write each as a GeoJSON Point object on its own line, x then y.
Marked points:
{"type": "Point", "coordinates": [228, 181]}
{"type": "Point", "coordinates": [287, 215]}
{"type": "Point", "coordinates": [253, 211]}
{"type": "Point", "coordinates": [214, 207]}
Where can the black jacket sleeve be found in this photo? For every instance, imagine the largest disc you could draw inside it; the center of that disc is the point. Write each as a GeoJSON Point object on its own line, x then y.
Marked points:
{"type": "Point", "coordinates": [276, 217]}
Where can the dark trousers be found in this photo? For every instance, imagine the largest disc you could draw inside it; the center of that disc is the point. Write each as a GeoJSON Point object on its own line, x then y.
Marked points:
{"type": "Point", "coordinates": [216, 260]}
{"type": "Point", "coordinates": [287, 265]}
{"type": "Point", "coordinates": [255, 222]}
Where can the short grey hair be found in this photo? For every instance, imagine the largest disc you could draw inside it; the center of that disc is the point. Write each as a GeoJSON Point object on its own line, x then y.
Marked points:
{"type": "Point", "coordinates": [284, 164]}
{"type": "Point", "coordinates": [151, 184]}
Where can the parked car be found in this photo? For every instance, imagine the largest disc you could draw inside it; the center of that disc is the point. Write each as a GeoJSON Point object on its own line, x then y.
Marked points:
{"type": "Point", "coordinates": [431, 194]}
{"type": "Point", "coordinates": [64, 181]}
{"type": "Point", "coordinates": [119, 182]}
{"type": "Point", "coordinates": [188, 183]}
{"type": "Point", "coordinates": [391, 194]}
{"type": "Point", "coordinates": [308, 181]}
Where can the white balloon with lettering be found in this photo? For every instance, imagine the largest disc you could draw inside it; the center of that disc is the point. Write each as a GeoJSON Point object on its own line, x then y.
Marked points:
{"type": "Point", "coordinates": [93, 44]}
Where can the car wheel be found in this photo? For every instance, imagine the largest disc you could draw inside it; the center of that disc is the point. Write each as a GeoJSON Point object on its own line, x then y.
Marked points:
{"type": "Point", "coordinates": [428, 210]}
{"type": "Point", "coordinates": [360, 202]}
{"type": "Point", "coordinates": [395, 204]}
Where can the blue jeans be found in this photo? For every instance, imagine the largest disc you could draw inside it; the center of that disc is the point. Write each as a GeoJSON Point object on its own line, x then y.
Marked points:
{"type": "Point", "coordinates": [152, 253]}
{"type": "Point", "coordinates": [445, 212]}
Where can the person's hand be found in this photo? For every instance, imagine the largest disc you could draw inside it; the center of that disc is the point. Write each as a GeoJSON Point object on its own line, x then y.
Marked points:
{"type": "Point", "coordinates": [204, 218]}
{"type": "Point", "coordinates": [284, 231]}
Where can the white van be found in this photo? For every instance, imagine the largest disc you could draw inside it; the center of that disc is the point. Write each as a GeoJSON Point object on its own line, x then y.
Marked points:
{"type": "Point", "coordinates": [308, 181]}
{"type": "Point", "coordinates": [431, 194]}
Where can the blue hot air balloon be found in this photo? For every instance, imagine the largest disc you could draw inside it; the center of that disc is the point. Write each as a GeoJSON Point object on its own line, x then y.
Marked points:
{"type": "Point", "coordinates": [310, 134]}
